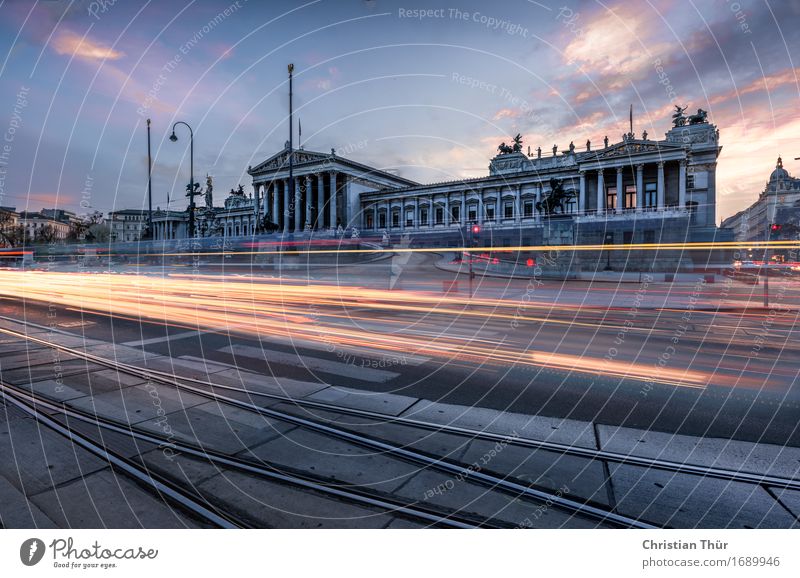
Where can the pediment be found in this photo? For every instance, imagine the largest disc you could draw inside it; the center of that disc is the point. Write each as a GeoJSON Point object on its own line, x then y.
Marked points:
{"type": "Point", "coordinates": [281, 160]}
{"type": "Point", "coordinates": [635, 147]}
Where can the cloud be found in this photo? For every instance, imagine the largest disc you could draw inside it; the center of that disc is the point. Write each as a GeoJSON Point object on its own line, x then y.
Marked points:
{"type": "Point", "coordinates": [769, 83]}
{"type": "Point", "coordinates": [70, 43]}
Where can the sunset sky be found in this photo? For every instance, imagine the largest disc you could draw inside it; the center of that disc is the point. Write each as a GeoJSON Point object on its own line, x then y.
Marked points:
{"type": "Point", "coordinates": [428, 97]}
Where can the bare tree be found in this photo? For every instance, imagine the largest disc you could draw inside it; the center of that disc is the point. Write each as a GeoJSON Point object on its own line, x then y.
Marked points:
{"type": "Point", "coordinates": [45, 235]}
{"type": "Point", "coordinates": [11, 234]}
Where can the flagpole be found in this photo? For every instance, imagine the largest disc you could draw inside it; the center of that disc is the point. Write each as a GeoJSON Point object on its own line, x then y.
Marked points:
{"type": "Point", "coordinates": [291, 154]}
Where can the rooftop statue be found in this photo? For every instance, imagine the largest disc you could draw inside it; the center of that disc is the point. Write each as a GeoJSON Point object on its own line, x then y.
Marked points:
{"type": "Point", "coordinates": [678, 119]}
{"type": "Point", "coordinates": [505, 149]}
{"type": "Point", "coordinates": [209, 193]}
{"type": "Point", "coordinates": [517, 147]}
{"type": "Point", "coordinates": [699, 118]}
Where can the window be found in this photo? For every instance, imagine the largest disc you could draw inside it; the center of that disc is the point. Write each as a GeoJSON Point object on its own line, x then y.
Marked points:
{"type": "Point", "coordinates": [382, 220]}
{"type": "Point", "coordinates": [508, 210]}
{"type": "Point", "coordinates": [369, 223]}
{"type": "Point", "coordinates": [490, 212]}
{"type": "Point", "coordinates": [473, 213]}
{"type": "Point", "coordinates": [570, 205]}
{"type": "Point", "coordinates": [395, 218]}
{"type": "Point", "coordinates": [611, 198]}
{"type": "Point", "coordinates": [423, 216]}
{"type": "Point", "coordinates": [439, 215]}
{"type": "Point", "coordinates": [410, 218]}
{"type": "Point", "coordinates": [650, 236]}
{"type": "Point", "coordinates": [527, 209]}
{"type": "Point", "coordinates": [690, 181]}
{"type": "Point", "coordinates": [627, 237]}
{"type": "Point", "coordinates": [650, 194]}
{"type": "Point", "coordinates": [630, 197]}
{"type": "Point", "coordinates": [455, 214]}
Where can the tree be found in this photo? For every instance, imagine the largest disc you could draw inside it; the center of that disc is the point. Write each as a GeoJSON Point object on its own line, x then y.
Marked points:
{"type": "Point", "coordinates": [45, 235]}
{"type": "Point", "coordinates": [79, 230]}
{"type": "Point", "coordinates": [11, 234]}
{"type": "Point", "coordinates": [98, 233]}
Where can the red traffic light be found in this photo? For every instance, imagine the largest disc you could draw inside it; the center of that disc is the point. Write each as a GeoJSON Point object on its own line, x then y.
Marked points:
{"type": "Point", "coordinates": [530, 262]}
{"type": "Point", "coordinates": [476, 229]}
{"type": "Point", "coordinates": [775, 227]}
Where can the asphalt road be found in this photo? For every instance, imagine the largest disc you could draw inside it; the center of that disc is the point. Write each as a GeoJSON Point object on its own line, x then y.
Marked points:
{"type": "Point", "coordinates": [544, 351]}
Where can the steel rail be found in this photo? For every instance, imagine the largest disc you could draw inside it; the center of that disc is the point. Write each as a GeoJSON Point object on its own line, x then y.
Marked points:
{"type": "Point", "coordinates": [450, 467]}
{"type": "Point", "coordinates": [564, 449]}
{"type": "Point", "coordinates": [27, 401]}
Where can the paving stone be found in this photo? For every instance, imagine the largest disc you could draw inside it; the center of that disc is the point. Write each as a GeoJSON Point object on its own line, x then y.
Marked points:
{"type": "Point", "coordinates": [262, 383]}
{"type": "Point", "coordinates": [33, 358]}
{"type": "Point", "coordinates": [108, 500]}
{"type": "Point", "coordinates": [782, 461]}
{"type": "Point", "coordinates": [386, 403]}
{"type": "Point", "coordinates": [17, 512]}
{"type": "Point", "coordinates": [272, 505]}
{"type": "Point", "coordinates": [332, 458]}
{"type": "Point", "coordinates": [406, 524]}
{"type": "Point", "coordinates": [183, 367]}
{"type": "Point", "coordinates": [184, 469]}
{"type": "Point", "coordinates": [584, 479]}
{"type": "Point", "coordinates": [790, 499]}
{"type": "Point", "coordinates": [556, 430]}
{"type": "Point", "coordinates": [439, 489]}
{"type": "Point", "coordinates": [98, 382]}
{"type": "Point", "coordinates": [48, 371]}
{"type": "Point", "coordinates": [138, 403]}
{"type": "Point", "coordinates": [219, 427]}
{"type": "Point", "coordinates": [428, 441]}
{"type": "Point", "coordinates": [683, 501]}
{"type": "Point", "coordinates": [36, 458]}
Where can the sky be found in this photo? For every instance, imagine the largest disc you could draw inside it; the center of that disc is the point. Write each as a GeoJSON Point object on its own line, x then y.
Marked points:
{"type": "Point", "coordinates": [426, 90]}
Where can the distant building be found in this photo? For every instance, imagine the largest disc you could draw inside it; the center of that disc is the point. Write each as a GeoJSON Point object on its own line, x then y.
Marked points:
{"type": "Point", "coordinates": [778, 204]}
{"type": "Point", "coordinates": [34, 224]}
{"type": "Point", "coordinates": [127, 225]}
{"type": "Point", "coordinates": [9, 220]}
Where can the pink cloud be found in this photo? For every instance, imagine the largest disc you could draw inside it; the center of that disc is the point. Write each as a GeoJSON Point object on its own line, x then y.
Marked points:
{"type": "Point", "coordinates": [70, 43]}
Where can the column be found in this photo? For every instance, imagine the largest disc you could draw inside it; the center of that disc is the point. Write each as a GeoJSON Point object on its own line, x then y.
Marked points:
{"type": "Point", "coordinates": [320, 203]}
{"type": "Point", "coordinates": [518, 205]}
{"type": "Point", "coordinates": [462, 216]}
{"type": "Point", "coordinates": [258, 189]}
{"type": "Point", "coordinates": [581, 192]}
{"type": "Point", "coordinates": [431, 213]}
{"type": "Point", "coordinates": [402, 214]}
{"type": "Point", "coordinates": [274, 218]}
{"type": "Point", "coordinates": [374, 216]}
{"type": "Point", "coordinates": [497, 205]}
{"type": "Point", "coordinates": [416, 213]}
{"type": "Point", "coordinates": [660, 187]}
{"type": "Point", "coordinates": [286, 205]}
{"type": "Point", "coordinates": [601, 193]}
{"type": "Point", "coordinates": [332, 177]}
{"type": "Point", "coordinates": [639, 188]}
{"type": "Point", "coordinates": [682, 186]}
{"type": "Point", "coordinates": [480, 206]}
{"type": "Point", "coordinates": [389, 215]}
{"type": "Point", "coordinates": [298, 200]}
{"type": "Point", "coordinates": [536, 213]}
{"type": "Point", "coordinates": [620, 192]}
{"type": "Point", "coordinates": [309, 196]}
{"type": "Point", "coordinates": [447, 209]}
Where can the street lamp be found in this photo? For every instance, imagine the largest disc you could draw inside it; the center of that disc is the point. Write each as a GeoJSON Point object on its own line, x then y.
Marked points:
{"type": "Point", "coordinates": [174, 138]}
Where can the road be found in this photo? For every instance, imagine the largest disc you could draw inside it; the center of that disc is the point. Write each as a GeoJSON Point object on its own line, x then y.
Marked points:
{"type": "Point", "coordinates": [605, 353]}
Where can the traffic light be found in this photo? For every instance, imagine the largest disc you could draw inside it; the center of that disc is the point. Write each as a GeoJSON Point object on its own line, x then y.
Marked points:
{"type": "Point", "coordinates": [775, 230]}
{"type": "Point", "coordinates": [475, 235]}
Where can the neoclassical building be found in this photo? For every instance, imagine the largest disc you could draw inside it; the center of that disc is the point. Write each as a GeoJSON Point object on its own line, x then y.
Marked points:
{"type": "Point", "coordinates": [328, 190]}
{"type": "Point", "coordinates": [636, 190]}
{"type": "Point", "coordinates": [778, 203]}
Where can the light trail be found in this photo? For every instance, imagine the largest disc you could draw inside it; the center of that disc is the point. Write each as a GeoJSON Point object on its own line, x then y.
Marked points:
{"type": "Point", "coordinates": [284, 310]}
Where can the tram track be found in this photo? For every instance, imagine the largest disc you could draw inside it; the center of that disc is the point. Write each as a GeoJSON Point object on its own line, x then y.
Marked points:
{"type": "Point", "coordinates": [494, 482]}
{"type": "Point", "coordinates": [563, 449]}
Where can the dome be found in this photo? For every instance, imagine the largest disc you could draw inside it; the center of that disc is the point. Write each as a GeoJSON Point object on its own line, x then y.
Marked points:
{"type": "Point", "coordinates": [779, 173]}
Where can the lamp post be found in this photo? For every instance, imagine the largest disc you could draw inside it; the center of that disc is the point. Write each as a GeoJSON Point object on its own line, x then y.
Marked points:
{"type": "Point", "coordinates": [292, 200]}
{"type": "Point", "coordinates": [149, 186]}
{"type": "Point", "coordinates": [173, 137]}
